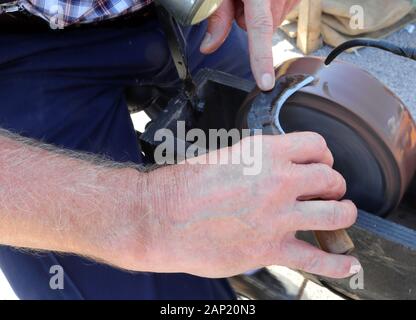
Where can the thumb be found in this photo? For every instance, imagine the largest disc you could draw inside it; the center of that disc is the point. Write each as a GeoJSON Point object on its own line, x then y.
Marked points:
{"type": "Point", "coordinates": [219, 27]}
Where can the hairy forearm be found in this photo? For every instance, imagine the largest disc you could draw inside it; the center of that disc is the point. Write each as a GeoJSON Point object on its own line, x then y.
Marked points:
{"type": "Point", "coordinates": [207, 220]}
{"type": "Point", "coordinates": [62, 201]}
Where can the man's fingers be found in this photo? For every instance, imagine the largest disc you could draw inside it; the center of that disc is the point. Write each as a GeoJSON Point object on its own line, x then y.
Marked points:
{"type": "Point", "coordinates": [307, 147]}
{"type": "Point", "coordinates": [323, 215]}
{"type": "Point", "coordinates": [278, 11]}
{"type": "Point", "coordinates": [219, 26]}
{"type": "Point", "coordinates": [259, 21]}
{"type": "Point", "coordinates": [303, 256]}
{"type": "Point", "coordinates": [319, 181]}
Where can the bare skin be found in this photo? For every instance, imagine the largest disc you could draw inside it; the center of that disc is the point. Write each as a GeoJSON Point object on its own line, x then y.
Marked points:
{"type": "Point", "coordinates": [260, 18]}
{"type": "Point", "coordinates": [206, 220]}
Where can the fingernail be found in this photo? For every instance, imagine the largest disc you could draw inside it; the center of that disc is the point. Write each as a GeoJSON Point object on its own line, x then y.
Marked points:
{"type": "Point", "coordinates": [207, 41]}
{"type": "Point", "coordinates": [355, 268]}
{"type": "Point", "coordinates": [267, 82]}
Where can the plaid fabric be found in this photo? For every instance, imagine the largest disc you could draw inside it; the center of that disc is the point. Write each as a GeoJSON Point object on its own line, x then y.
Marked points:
{"type": "Point", "coordinates": [61, 13]}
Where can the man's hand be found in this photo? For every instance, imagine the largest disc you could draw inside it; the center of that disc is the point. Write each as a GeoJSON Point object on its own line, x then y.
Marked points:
{"type": "Point", "coordinates": [207, 220]}
{"type": "Point", "coordinates": [260, 18]}
{"type": "Point", "coordinates": [212, 221]}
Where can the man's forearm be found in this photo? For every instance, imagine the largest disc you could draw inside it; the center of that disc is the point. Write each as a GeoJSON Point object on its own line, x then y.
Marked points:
{"type": "Point", "coordinates": [53, 200]}
{"type": "Point", "coordinates": [207, 220]}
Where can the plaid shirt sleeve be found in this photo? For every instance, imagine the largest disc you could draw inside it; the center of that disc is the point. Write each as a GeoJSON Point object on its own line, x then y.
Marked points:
{"type": "Point", "coordinates": [62, 13]}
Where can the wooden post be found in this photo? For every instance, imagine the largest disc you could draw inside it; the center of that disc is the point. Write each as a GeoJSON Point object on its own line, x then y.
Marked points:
{"type": "Point", "coordinates": [309, 26]}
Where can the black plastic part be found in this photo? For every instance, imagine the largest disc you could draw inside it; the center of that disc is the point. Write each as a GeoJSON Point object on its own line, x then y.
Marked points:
{"type": "Point", "coordinates": [220, 97]}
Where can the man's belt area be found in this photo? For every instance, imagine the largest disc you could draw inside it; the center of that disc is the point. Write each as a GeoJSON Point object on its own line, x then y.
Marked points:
{"type": "Point", "coordinates": [15, 19]}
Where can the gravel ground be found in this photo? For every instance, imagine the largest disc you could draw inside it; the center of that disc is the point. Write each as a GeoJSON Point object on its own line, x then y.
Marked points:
{"type": "Point", "coordinates": [398, 73]}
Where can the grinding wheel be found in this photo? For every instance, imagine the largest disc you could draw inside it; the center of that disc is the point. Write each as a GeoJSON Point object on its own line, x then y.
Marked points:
{"type": "Point", "coordinates": [368, 129]}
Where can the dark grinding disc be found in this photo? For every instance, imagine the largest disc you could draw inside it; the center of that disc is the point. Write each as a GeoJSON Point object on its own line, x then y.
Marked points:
{"type": "Point", "coordinates": [361, 155]}
{"type": "Point", "coordinates": [373, 180]}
